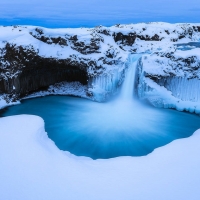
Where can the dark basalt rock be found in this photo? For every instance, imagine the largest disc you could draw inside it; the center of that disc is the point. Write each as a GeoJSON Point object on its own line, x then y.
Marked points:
{"type": "Point", "coordinates": [125, 39]}
{"type": "Point", "coordinates": [189, 68]}
{"type": "Point", "coordinates": [102, 30]}
{"type": "Point", "coordinates": [26, 71]}
{"type": "Point", "coordinates": [196, 28]}
{"type": "Point", "coordinates": [84, 48]}
{"type": "Point", "coordinates": [166, 31]}
{"type": "Point", "coordinates": [39, 35]}
{"type": "Point", "coordinates": [148, 38]}
{"type": "Point", "coordinates": [131, 37]}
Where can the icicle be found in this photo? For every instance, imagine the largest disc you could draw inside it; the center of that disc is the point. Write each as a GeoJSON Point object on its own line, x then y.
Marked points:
{"type": "Point", "coordinates": [182, 88]}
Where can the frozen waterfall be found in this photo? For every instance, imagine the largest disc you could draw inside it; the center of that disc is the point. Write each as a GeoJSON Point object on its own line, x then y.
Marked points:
{"type": "Point", "coordinates": [127, 90]}
{"type": "Point", "coordinates": [109, 83]}
{"type": "Point", "coordinates": [105, 84]}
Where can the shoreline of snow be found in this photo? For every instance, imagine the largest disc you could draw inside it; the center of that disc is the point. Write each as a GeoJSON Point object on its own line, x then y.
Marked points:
{"type": "Point", "coordinates": [158, 96]}
{"type": "Point", "coordinates": [32, 167]}
{"type": "Point", "coordinates": [4, 104]}
{"type": "Point", "coordinates": [63, 88]}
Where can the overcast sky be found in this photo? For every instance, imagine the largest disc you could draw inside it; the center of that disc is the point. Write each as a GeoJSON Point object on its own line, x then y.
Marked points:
{"type": "Point", "coordinates": [77, 13]}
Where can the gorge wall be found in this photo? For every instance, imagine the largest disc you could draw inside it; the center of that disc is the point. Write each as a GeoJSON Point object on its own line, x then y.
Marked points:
{"type": "Point", "coordinates": [33, 58]}
{"type": "Point", "coordinates": [171, 79]}
{"type": "Point", "coordinates": [24, 70]}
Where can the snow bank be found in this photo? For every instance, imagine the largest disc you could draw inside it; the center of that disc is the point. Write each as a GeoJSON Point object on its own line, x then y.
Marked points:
{"type": "Point", "coordinates": [4, 103]}
{"type": "Point", "coordinates": [62, 88]}
{"type": "Point", "coordinates": [32, 167]}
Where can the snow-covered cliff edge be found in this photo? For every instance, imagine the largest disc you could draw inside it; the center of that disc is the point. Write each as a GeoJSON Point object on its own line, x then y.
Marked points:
{"type": "Point", "coordinates": [171, 79]}
{"type": "Point", "coordinates": [33, 58]}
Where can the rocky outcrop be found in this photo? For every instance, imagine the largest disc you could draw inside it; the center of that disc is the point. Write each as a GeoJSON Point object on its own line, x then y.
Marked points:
{"type": "Point", "coordinates": [24, 70]}
{"type": "Point", "coordinates": [143, 33]}
{"type": "Point", "coordinates": [92, 46]}
{"type": "Point", "coordinates": [125, 39]}
{"type": "Point", "coordinates": [39, 35]}
{"type": "Point", "coordinates": [171, 79]}
{"type": "Point", "coordinates": [32, 58]}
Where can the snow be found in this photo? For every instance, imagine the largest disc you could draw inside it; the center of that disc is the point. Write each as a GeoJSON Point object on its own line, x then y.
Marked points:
{"type": "Point", "coordinates": [176, 78]}
{"type": "Point", "coordinates": [106, 65]}
{"type": "Point", "coordinates": [62, 88]}
{"type": "Point", "coordinates": [32, 167]}
{"type": "Point", "coordinates": [3, 102]}
{"type": "Point", "coordinates": [159, 96]}
{"type": "Point", "coordinates": [189, 53]}
{"type": "Point", "coordinates": [20, 35]}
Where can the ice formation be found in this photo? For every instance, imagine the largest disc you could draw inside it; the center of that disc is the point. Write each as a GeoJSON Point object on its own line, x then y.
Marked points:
{"type": "Point", "coordinates": [182, 88]}
{"type": "Point", "coordinates": [99, 57]}
{"type": "Point", "coordinates": [103, 85]}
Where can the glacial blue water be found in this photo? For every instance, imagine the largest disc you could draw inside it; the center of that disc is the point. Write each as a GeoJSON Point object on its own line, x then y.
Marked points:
{"type": "Point", "coordinates": [123, 126]}
{"type": "Point", "coordinates": [106, 130]}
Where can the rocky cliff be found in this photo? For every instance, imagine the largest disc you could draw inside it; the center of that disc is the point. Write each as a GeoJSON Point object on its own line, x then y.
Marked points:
{"type": "Point", "coordinates": [33, 58]}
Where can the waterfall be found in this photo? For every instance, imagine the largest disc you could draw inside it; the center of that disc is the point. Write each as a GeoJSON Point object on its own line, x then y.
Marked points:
{"type": "Point", "coordinates": [127, 90]}
{"type": "Point", "coordinates": [102, 86]}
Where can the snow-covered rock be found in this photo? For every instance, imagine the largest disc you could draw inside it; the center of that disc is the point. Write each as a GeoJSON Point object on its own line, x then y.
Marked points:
{"type": "Point", "coordinates": [33, 58]}
{"type": "Point", "coordinates": [171, 79]}
{"type": "Point", "coordinates": [62, 88]}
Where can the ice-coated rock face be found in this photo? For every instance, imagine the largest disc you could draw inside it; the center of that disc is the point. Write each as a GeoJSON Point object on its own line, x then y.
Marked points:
{"type": "Point", "coordinates": [102, 86]}
{"type": "Point", "coordinates": [182, 88]}
{"type": "Point", "coordinates": [33, 58]}
{"type": "Point", "coordinates": [171, 79]}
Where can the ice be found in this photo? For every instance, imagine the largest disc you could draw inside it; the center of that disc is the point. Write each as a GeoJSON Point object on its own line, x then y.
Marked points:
{"type": "Point", "coordinates": [182, 88]}
{"type": "Point", "coordinates": [107, 66]}
{"type": "Point", "coordinates": [104, 85]}
{"type": "Point", "coordinates": [160, 97]}
{"type": "Point", "coordinates": [171, 81]}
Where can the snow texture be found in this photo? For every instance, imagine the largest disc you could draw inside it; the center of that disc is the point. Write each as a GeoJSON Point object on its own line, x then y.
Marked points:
{"type": "Point", "coordinates": [32, 167]}
{"type": "Point", "coordinates": [104, 51]}
{"type": "Point", "coordinates": [4, 103]}
{"type": "Point", "coordinates": [62, 88]}
{"type": "Point", "coordinates": [171, 79]}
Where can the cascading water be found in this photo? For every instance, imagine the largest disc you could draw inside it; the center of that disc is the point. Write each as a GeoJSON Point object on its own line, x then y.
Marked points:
{"type": "Point", "coordinates": [121, 127]}
{"type": "Point", "coordinates": [127, 90]}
